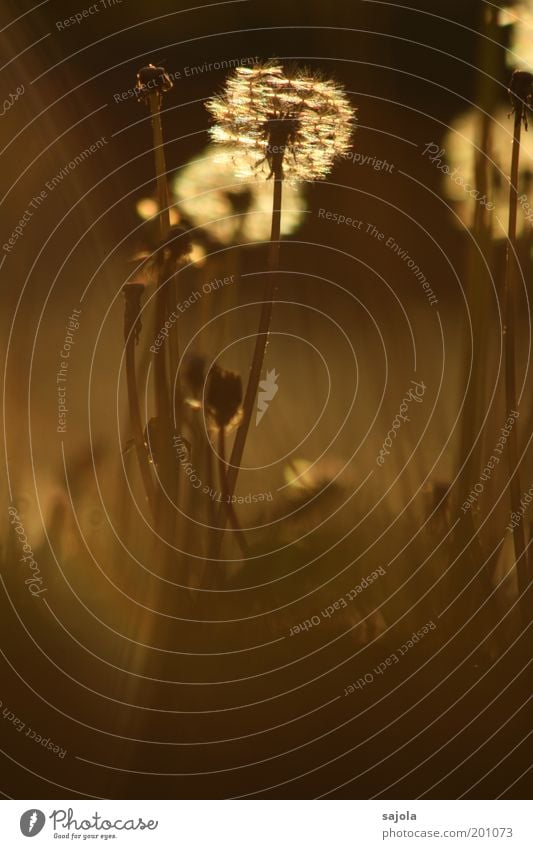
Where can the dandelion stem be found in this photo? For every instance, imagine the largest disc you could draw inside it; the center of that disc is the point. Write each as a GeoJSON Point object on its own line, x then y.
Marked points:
{"type": "Point", "coordinates": [226, 498]}
{"type": "Point", "coordinates": [211, 512]}
{"type": "Point", "coordinates": [509, 330]}
{"type": "Point", "coordinates": [131, 330]}
{"type": "Point", "coordinates": [162, 402]}
{"type": "Point", "coordinates": [167, 470]}
{"type": "Point", "coordinates": [160, 165]}
{"type": "Point", "coordinates": [166, 280]}
{"type": "Point", "coordinates": [261, 339]}
{"type": "Point", "coordinates": [260, 348]}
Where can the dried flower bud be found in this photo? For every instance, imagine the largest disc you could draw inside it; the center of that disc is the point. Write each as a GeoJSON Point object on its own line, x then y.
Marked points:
{"type": "Point", "coordinates": [521, 91]}
{"type": "Point", "coordinates": [223, 396]}
{"type": "Point", "coordinates": [194, 375]}
{"type": "Point", "coordinates": [151, 80]}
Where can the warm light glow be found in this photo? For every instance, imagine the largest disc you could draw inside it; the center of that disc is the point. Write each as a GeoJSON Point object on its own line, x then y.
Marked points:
{"type": "Point", "coordinates": [148, 208]}
{"type": "Point", "coordinates": [197, 255]}
{"type": "Point", "coordinates": [232, 209]}
{"type": "Point", "coordinates": [520, 17]}
{"type": "Point", "coordinates": [459, 145]}
{"type": "Point", "coordinates": [302, 474]}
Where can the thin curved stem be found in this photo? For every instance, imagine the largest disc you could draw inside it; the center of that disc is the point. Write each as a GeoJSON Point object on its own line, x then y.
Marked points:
{"type": "Point", "coordinates": [167, 469]}
{"type": "Point", "coordinates": [226, 497]}
{"type": "Point", "coordinates": [164, 230]}
{"type": "Point", "coordinates": [259, 351]}
{"type": "Point", "coordinates": [261, 340]}
{"type": "Point", "coordinates": [131, 329]}
{"type": "Point", "coordinates": [211, 511]}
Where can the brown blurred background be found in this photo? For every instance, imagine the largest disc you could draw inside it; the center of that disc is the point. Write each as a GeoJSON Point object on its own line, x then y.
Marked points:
{"type": "Point", "coordinates": [83, 668]}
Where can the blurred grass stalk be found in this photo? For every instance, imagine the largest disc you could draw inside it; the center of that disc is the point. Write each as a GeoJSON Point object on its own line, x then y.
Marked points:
{"type": "Point", "coordinates": [480, 258]}
{"type": "Point", "coordinates": [521, 90]}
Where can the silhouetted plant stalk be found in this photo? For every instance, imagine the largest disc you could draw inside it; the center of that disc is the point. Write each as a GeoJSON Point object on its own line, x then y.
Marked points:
{"type": "Point", "coordinates": [209, 471]}
{"type": "Point", "coordinates": [521, 90]}
{"type": "Point", "coordinates": [226, 498]}
{"type": "Point", "coordinates": [283, 126]}
{"type": "Point", "coordinates": [132, 328]}
{"type": "Point", "coordinates": [261, 340]}
{"type": "Point", "coordinates": [151, 85]}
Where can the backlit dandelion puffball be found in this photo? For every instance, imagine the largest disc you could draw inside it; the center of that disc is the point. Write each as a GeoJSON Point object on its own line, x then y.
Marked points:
{"type": "Point", "coordinates": [264, 110]}
{"type": "Point", "coordinates": [232, 209]}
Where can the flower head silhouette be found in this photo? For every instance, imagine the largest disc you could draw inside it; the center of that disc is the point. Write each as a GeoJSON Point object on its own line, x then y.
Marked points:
{"type": "Point", "coordinates": [223, 397]}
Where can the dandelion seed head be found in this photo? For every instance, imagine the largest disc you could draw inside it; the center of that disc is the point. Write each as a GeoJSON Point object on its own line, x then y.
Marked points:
{"type": "Point", "coordinates": [152, 80]}
{"type": "Point", "coordinates": [297, 119]}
